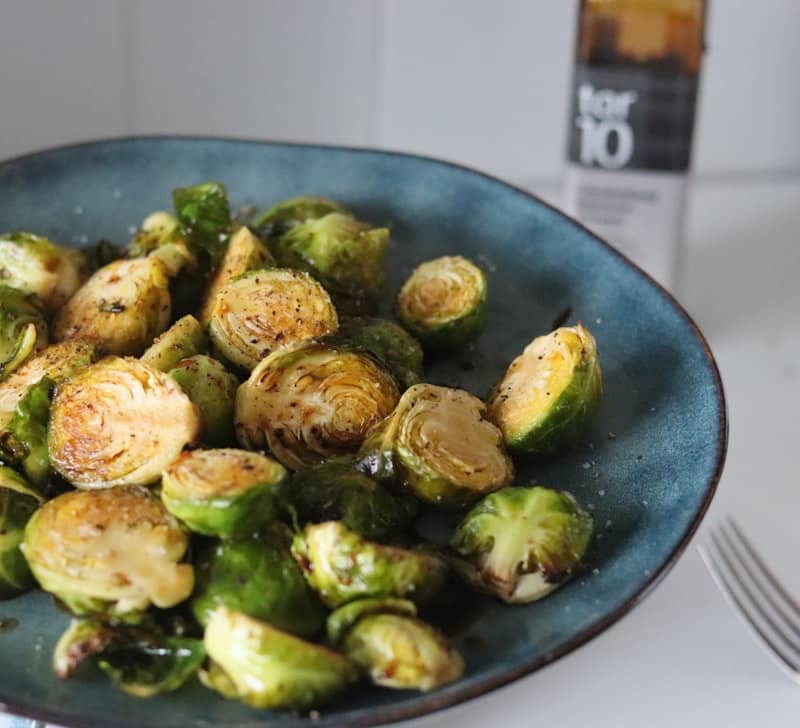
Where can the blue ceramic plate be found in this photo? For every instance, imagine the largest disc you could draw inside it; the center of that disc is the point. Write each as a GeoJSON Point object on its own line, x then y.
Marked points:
{"type": "Point", "coordinates": [648, 468]}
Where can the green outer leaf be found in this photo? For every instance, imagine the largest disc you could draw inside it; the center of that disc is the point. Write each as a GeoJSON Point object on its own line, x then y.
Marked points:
{"type": "Point", "coordinates": [18, 502]}
{"type": "Point", "coordinates": [258, 577]}
{"type": "Point", "coordinates": [279, 218]}
{"type": "Point", "coordinates": [205, 217]}
{"type": "Point", "coordinates": [23, 328]}
{"type": "Point", "coordinates": [344, 618]}
{"type": "Point", "coordinates": [183, 339]}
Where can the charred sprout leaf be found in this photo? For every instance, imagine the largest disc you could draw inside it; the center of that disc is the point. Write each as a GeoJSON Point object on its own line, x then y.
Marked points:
{"type": "Point", "coordinates": [183, 339]}
{"type": "Point", "coordinates": [402, 652]}
{"type": "Point", "coordinates": [23, 328]}
{"type": "Point", "coordinates": [266, 668]}
{"type": "Point", "coordinates": [438, 444]}
{"type": "Point", "coordinates": [227, 493]}
{"type": "Point", "coordinates": [101, 253]}
{"type": "Point", "coordinates": [257, 576]}
{"type": "Point", "coordinates": [82, 640]}
{"type": "Point", "coordinates": [548, 394]}
{"type": "Point", "coordinates": [18, 502]}
{"type": "Point", "coordinates": [342, 566]}
{"type": "Point", "coordinates": [110, 552]}
{"type": "Point", "coordinates": [443, 303]}
{"type": "Point", "coordinates": [311, 402]}
{"type": "Point", "coordinates": [266, 310]}
{"type": "Point", "coordinates": [204, 216]}
{"type": "Point", "coordinates": [336, 491]}
{"type": "Point", "coordinates": [343, 619]}
{"type": "Point", "coordinates": [289, 213]}
{"type": "Point", "coordinates": [33, 264]}
{"type": "Point", "coordinates": [212, 388]}
{"type": "Point", "coordinates": [523, 542]}
{"type": "Point", "coordinates": [119, 422]}
{"type": "Point", "coordinates": [344, 254]}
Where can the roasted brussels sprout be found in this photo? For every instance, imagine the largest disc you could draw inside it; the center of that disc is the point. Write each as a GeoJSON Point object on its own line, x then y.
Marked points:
{"type": "Point", "coordinates": [311, 402]}
{"type": "Point", "coordinates": [438, 444]}
{"type": "Point", "coordinates": [119, 422]}
{"type": "Point", "coordinates": [183, 339]}
{"type": "Point", "coordinates": [287, 214]}
{"type": "Point", "coordinates": [23, 328]}
{"type": "Point", "coordinates": [212, 388]}
{"type": "Point", "coordinates": [265, 310]}
{"type": "Point", "coordinates": [267, 668]}
{"type": "Point", "coordinates": [81, 640]}
{"type": "Point", "coordinates": [157, 229]}
{"type": "Point", "coordinates": [18, 501]}
{"type": "Point", "coordinates": [226, 493]}
{"type": "Point", "coordinates": [336, 491]}
{"type": "Point", "coordinates": [111, 552]}
{"type": "Point", "coordinates": [344, 254]}
{"type": "Point", "coordinates": [341, 620]}
{"type": "Point", "coordinates": [204, 216]}
{"type": "Point", "coordinates": [388, 342]}
{"type": "Point", "coordinates": [245, 252]}
{"type": "Point", "coordinates": [523, 542]}
{"type": "Point", "coordinates": [547, 395]}
{"type": "Point", "coordinates": [35, 265]}
{"type": "Point", "coordinates": [121, 308]}
{"type": "Point", "coordinates": [401, 652]}
{"type": "Point", "coordinates": [342, 566]}
{"type": "Point", "coordinates": [443, 303]}
{"type": "Point", "coordinates": [258, 577]}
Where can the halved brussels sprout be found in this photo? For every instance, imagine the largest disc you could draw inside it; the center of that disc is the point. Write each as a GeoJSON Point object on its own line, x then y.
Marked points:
{"type": "Point", "coordinates": [547, 395]}
{"type": "Point", "coordinates": [57, 362]}
{"type": "Point", "coordinates": [227, 493]}
{"type": "Point", "coordinates": [336, 491]}
{"type": "Point", "coordinates": [388, 342]}
{"type": "Point", "coordinates": [204, 216]}
{"type": "Point", "coordinates": [18, 501]}
{"type": "Point", "coordinates": [287, 214]}
{"type": "Point", "coordinates": [342, 566]}
{"type": "Point", "coordinates": [311, 402]}
{"type": "Point", "coordinates": [119, 422]}
{"type": "Point", "coordinates": [245, 252]}
{"type": "Point", "coordinates": [183, 339]}
{"type": "Point", "coordinates": [402, 652]}
{"type": "Point", "coordinates": [443, 303]}
{"type": "Point", "coordinates": [121, 308]}
{"type": "Point", "coordinates": [344, 254]}
{"type": "Point", "coordinates": [212, 388]}
{"type": "Point", "coordinates": [258, 577]}
{"type": "Point", "coordinates": [523, 542]}
{"type": "Point", "coordinates": [82, 639]}
{"type": "Point", "coordinates": [266, 668]}
{"type": "Point", "coordinates": [341, 620]}
{"type": "Point", "coordinates": [265, 310]}
{"type": "Point", "coordinates": [157, 229]}
{"type": "Point", "coordinates": [23, 328]}
{"type": "Point", "coordinates": [438, 444]}
{"type": "Point", "coordinates": [111, 552]}
{"type": "Point", "coordinates": [35, 265]}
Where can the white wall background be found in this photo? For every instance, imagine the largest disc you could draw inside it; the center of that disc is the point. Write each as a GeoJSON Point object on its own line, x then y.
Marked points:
{"type": "Point", "coordinates": [479, 81]}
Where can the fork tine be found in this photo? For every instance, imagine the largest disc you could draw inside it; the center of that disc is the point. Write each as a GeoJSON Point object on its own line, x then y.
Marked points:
{"type": "Point", "coordinates": [784, 662]}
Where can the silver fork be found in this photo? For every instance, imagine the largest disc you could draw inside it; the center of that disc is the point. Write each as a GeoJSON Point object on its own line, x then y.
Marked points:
{"type": "Point", "coordinates": [765, 606]}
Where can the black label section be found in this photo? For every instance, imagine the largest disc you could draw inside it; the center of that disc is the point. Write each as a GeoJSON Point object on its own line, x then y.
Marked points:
{"type": "Point", "coordinates": [631, 119]}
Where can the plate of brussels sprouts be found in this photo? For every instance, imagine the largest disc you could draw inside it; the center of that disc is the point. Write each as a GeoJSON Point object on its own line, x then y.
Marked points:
{"type": "Point", "coordinates": [339, 436]}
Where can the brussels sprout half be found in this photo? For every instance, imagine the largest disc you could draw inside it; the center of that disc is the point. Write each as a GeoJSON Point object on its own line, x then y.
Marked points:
{"type": "Point", "coordinates": [311, 402]}
{"type": "Point", "coordinates": [341, 620]}
{"type": "Point", "coordinates": [119, 422]}
{"type": "Point", "coordinates": [245, 252]}
{"type": "Point", "coordinates": [438, 444]}
{"type": "Point", "coordinates": [547, 395]}
{"type": "Point", "coordinates": [342, 566]}
{"type": "Point", "coordinates": [35, 265]}
{"type": "Point", "coordinates": [258, 577]}
{"type": "Point", "coordinates": [111, 552]}
{"type": "Point", "coordinates": [287, 214]}
{"type": "Point", "coordinates": [266, 668]}
{"type": "Point", "coordinates": [443, 303]}
{"type": "Point", "coordinates": [157, 229]}
{"type": "Point", "coordinates": [523, 542]}
{"type": "Point", "coordinates": [23, 328]}
{"type": "Point", "coordinates": [212, 388]}
{"type": "Point", "coordinates": [227, 493]}
{"type": "Point", "coordinates": [183, 339]}
{"type": "Point", "coordinates": [18, 502]}
{"type": "Point", "coordinates": [265, 310]}
{"type": "Point", "coordinates": [121, 308]}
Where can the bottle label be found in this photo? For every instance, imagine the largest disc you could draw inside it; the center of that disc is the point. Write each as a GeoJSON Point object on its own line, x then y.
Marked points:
{"type": "Point", "coordinates": [632, 118]}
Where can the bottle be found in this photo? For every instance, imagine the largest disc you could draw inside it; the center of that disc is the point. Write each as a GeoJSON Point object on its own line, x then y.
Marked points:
{"type": "Point", "coordinates": [637, 66]}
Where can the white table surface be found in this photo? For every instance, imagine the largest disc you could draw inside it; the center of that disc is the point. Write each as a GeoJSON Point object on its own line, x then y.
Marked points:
{"type": "Point", "coordinates": [682, 658]}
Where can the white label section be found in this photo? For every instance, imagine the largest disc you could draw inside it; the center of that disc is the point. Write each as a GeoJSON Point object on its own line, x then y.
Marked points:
{"type": "Point", "coordinates": [640, 213]}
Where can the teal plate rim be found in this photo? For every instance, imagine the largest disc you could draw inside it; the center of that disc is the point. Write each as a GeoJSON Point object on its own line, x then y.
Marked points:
{"type": "Point", "coordinates": [428, 704]}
